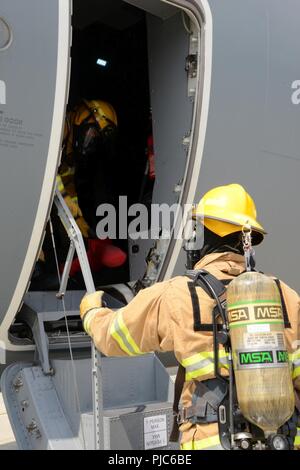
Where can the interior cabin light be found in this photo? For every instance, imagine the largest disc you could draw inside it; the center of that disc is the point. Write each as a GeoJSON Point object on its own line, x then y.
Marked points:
{"type": "Point", "coordinates": [102, 62]}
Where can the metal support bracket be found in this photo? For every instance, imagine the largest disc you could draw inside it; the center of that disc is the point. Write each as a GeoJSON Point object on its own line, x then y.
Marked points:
{"type": "Point", "coordinates": [76, 244]}
{"type": "Point", "coordinates": [66, 272]}
{"type": "Point", "coordinates": [36, 321]}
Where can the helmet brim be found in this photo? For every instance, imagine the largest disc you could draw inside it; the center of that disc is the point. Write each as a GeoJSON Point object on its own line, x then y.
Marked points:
{"type": "Point", "coordinates": [233, 221]}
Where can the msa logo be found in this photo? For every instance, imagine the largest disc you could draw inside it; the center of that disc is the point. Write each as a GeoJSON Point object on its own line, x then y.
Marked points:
{"type": "Point", "coordinates": [239, 314]}
{"type": "Point", "coordinates": [267, 312]}
{"type": "Point", "coordinates": [2, 92]}
{"type": "Point", "coordinates": [261, 312]}
{"type": "Point", "coordinates": [263, 357]}
{"type": "Point", "coordinates": [257, 357]}
{"type": "Point", "coordinates": [282, 357]}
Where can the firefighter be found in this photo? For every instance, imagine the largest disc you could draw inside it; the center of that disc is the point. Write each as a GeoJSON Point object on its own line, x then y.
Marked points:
{"type": "Point", "coordinates": [86, 176]}
{"type": "Point", "coordinates": [163, 317]}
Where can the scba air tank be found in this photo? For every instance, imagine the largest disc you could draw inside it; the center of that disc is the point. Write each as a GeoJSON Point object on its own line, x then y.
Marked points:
{"type": "Point", "coordinates": [260, 359]}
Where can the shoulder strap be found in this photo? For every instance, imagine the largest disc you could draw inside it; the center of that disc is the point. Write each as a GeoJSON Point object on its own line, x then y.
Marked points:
{"type": "Point", "coordinates": [196, 306]}
{"type": "Point", "coordinates": [286, 319]}
{"type": "Point", "coordinates": [212, 286]}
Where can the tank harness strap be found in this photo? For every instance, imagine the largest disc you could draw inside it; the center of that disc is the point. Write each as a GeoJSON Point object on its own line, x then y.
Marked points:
{"type": "Point", "coordinates": [196, 306]}
{"type": "Point", "coordinates": [208, 394]}
{"type": "Point", "coordinates": [225, 282]}
{"type": "Point", "coordinates": [219, 288]}
{"type": "Point", "coordinates": [179, 382]}
{"type": "Point", "coordinates": [286, 319]}
{"type": "Point", "coordinates": [197, 281]}
{"type": "Point", "coordinates": [205, 403]}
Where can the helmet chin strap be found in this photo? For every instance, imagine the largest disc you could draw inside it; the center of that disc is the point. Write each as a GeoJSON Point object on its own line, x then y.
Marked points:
{"type": "Point", "coordinates": [249, 252]}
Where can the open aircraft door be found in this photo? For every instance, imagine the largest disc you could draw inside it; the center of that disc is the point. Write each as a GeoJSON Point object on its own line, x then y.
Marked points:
{"type": "Point", "coordinates": [54, 408]}
{"type": "Point", "coordinates": [244, 86]}
{"type": "Point", "coordinates": [35, 41]}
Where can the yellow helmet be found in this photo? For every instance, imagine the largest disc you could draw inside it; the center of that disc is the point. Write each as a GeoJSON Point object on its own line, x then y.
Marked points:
{"type": "Point", "coordinates": [227, 209]}
{"type": "Point", "coordinates": [103, 113]}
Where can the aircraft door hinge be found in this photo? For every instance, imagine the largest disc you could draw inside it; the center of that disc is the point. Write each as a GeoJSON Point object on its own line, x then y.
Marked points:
{"type": "Point", "coordinates": [192, 62]}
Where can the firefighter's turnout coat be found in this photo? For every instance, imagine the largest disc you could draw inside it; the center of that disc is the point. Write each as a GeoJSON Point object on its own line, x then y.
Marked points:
{"type": "Point", "coordinates": [161, 318]}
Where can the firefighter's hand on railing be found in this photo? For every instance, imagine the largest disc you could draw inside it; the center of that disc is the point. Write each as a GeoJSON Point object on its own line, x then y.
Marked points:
{"type": "Point", "coordinates": [90, 302]}
{"type": "Point", "coordinates": [89, 306]}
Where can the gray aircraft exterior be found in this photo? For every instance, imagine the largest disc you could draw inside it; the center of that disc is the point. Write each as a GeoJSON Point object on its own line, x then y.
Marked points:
{"type": "Point", "coordinates": [224, 81]}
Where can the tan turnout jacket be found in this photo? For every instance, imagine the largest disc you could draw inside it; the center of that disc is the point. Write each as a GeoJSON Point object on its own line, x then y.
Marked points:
{"type": "Point", "coordinates": [160, 318]}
